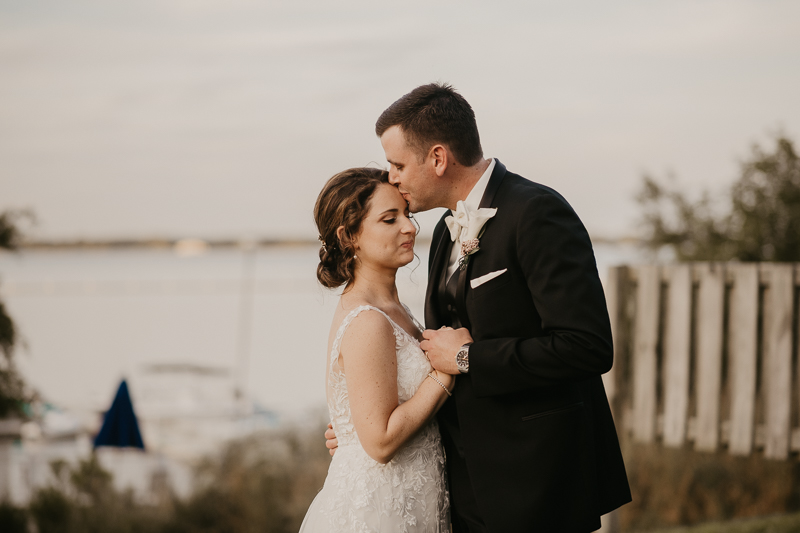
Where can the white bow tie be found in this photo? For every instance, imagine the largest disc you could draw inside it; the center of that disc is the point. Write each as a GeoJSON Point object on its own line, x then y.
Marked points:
{"type": "Point", "coordinates": [467, 223]}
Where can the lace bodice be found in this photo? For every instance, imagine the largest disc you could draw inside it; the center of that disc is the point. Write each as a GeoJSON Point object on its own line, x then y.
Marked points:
{"type": "Point", "coordinates": [408, 494]}
{"type": "Point", "coordinates": [412, 369]}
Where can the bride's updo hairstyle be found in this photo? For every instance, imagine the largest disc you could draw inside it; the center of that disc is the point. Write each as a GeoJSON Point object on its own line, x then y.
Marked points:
{"type": "Point", "coordinates": [344, 201]}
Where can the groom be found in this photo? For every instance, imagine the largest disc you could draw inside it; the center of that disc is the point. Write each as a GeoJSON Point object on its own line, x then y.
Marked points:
{"type": "Point", "coordinates": [515, 308]}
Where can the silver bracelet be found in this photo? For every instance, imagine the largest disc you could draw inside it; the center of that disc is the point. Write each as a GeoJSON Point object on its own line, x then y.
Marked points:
{"type": "Point", "coordinates": [434, 378]}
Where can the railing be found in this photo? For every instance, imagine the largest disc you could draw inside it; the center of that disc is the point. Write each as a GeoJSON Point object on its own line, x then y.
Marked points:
{"type": "Point", "coordinates": [707, 353]}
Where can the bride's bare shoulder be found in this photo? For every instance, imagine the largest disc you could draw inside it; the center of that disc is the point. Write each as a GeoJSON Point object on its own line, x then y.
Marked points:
{"type": "Point", "coordinates": [368, 320]}
{"type": "Point", "coordinates": [368, 317]}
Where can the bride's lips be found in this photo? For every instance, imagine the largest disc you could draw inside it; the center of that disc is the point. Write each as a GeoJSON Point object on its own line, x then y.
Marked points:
{"type": "Point", "coordinates": [408, 244]}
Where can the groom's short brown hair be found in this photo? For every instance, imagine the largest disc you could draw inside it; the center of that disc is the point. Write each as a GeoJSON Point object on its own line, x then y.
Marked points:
{"type": "Point", "coordinates": [431, 114]}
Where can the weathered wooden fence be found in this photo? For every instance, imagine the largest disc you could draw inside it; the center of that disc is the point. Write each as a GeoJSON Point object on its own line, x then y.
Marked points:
{"type": "Point", "coordinates": [707, 353]}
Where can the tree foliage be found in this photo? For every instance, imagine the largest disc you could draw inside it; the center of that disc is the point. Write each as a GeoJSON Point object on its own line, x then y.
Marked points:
{"type": "Point", "coordinates": [82, 499]}
{"type": "Point", "coordinates": [12, 391]}
{"type": "Point", "coordinates": [262, 483]}
{"type": "Point", "coordinates": [10, 234]}
{"type": "Point", "coordinates": [759, 220]}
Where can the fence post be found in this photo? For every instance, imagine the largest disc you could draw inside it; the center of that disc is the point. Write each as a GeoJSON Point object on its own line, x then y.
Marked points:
{"type": "Point", "coordinates": [743, 350]}
{"type": "Point", "coordinates": [710, 313]}
{"type": "Point", "coordinates": [778, 310]}
{"type": "Point", "coordinates": [644, 355]}
{"type": "Point", "coordinates": [617, 291]}
{"type": "Point", "coordinates": [677, 346]}
{"type": "Point", "coordinates": [615, 381]}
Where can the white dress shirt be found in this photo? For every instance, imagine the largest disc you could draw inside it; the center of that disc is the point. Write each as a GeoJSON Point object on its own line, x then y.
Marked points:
{"type": "Point", "coordinates": [473, 201]}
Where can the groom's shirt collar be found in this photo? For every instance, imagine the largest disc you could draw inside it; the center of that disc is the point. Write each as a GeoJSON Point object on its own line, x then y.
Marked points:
{"type": "Point", "coordinates": [473, 201]}
{"type": "Point", "coordinates": [475, 196]}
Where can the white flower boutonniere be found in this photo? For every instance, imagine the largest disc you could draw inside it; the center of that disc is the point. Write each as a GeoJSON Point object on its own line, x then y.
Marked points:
{"type": "Point", "coordinates": [468, 225]}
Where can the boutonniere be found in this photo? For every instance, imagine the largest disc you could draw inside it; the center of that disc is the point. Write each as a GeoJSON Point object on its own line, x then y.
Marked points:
{"type": "Point", "coordinates": [468, 224]}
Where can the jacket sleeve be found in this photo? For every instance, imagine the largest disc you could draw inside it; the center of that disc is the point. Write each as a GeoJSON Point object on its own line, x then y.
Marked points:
{"type": "Point", "coordinates": [556, 258]}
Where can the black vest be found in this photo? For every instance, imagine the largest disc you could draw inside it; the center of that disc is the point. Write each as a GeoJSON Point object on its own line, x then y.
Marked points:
{"type": "Point", "coordinates": [448, 417]}
{"type": "Point", "coordinates": [447, 299]}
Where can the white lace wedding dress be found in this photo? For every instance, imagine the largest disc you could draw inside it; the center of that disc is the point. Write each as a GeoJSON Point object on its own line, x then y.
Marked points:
{"type": "Point", "coordinates": [408, 494]}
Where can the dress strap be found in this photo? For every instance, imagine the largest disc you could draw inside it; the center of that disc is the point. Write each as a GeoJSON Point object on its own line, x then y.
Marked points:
{"type": "Point", "coordinates": [413, 318]}
{"type": "Point", "coordinates": [346, 322]}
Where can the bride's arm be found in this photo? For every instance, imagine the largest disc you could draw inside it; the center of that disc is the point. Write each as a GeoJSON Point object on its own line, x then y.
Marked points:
{"type": "Point", "coordinates": [370, 367]}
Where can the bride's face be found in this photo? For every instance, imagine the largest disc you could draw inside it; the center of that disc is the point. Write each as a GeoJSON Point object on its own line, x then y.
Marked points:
{"type": "Point", "coordinates": [387, 232]}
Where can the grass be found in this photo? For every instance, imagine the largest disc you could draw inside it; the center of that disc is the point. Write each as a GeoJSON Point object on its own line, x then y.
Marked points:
{"type": "Point", "coordinates": [789, 523]}
{"type": "Point", "coordinates": [675, 487]}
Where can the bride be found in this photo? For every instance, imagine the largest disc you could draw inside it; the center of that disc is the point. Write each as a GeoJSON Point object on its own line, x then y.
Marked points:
{"type": "Point", "coordinates": [388, 471]}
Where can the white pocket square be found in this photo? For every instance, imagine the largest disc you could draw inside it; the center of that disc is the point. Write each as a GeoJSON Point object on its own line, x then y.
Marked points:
{"type": "Point", "coordinates": [477, 282]}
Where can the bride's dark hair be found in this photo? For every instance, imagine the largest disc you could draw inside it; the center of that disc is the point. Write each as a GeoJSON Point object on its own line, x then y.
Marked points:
{"type": "Point", "coordinates": [343, 202]}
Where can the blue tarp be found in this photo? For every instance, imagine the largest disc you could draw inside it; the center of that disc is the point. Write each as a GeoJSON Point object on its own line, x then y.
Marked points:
{"type": "Point", "coordinates": [120, 427]}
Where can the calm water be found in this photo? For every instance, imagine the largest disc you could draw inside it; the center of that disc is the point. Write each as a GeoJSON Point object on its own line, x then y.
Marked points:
{"type": "Point", "coordinates": [89, 318]}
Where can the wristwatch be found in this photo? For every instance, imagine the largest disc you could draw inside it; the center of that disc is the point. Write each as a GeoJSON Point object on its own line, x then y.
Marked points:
{"type": "Point", "coordinates": [462, 358]}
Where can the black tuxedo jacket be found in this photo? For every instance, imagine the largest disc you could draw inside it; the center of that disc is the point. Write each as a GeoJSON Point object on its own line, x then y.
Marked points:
{"type": "Point", "coordinates": [535, 426]}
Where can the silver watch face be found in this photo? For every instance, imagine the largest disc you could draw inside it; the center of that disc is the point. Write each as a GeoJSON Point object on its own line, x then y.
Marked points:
{"type": "Point", "coordinates": [462, 359]}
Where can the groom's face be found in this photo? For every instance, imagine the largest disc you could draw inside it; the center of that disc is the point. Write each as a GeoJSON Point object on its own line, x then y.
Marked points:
{"type": "Point", "coordinates": [413, 176]}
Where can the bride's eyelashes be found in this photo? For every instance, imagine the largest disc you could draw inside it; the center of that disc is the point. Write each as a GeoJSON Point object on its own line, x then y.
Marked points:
{"type": "Point", "coordinates": [394, 219]}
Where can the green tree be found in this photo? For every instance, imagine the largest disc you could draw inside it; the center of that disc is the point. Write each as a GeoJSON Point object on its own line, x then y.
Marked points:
{"type": "Point", "coordinates": [82, 499]}
{"type": "Point", "coordinates": [12, 518]}
{"type": "Point", "coordinates": [264, 482]}
{"type": "Point", "coordinates": [12, 391]}
{"type": "Point", "coordinates": [758, 221]}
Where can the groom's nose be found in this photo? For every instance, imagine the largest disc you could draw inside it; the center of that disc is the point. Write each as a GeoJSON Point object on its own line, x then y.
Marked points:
{"type": "Point", "coordinates": [394, 179]}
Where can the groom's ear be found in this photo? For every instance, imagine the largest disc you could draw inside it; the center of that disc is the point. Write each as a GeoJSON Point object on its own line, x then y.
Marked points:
{"type": "Point", "coordinates": [439, 158]}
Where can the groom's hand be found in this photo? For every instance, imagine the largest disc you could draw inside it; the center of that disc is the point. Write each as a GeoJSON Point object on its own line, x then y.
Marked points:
{"type": "Point", "coordinates": [442, 345]}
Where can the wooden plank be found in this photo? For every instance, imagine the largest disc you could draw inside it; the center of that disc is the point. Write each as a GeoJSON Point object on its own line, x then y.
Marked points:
{"type": "Point", "coordinates": [617, 381]}
{"type": "Point", "coordinates": [644, 356]}
{"type": "Point", "coordinates": [677, 346]}
{"type": "Point", "coordinates": [743, 352]}
{"type": "Point", "coordinates": [795, 438]}
{"type": "Point", "coordinates": [691, 429]}
{"type": "Point", "coordinates": [777, 370]}
{"type": "Point", "coordinates": [710, 313]}
{"type": "Point", "coordinates": [612, 289]}
{"type": "Point", "coordinates": [761, 436]}
{"type": "Point", "coordinates": [610, 523]}
{"type": "Point", "coordinates": [725, 432]}
{"type": "Point", "coordinates": [6, 457]}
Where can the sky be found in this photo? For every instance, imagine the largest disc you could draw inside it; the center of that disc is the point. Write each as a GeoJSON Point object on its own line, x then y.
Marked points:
{"type": "Point", "coordinates": [223, 119]}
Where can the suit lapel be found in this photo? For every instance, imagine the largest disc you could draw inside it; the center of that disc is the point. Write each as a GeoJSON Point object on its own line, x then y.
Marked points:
{"type": "Point", "coordinates": [486, 201]}
{"type": "Point", "coordinates": [440, 249]}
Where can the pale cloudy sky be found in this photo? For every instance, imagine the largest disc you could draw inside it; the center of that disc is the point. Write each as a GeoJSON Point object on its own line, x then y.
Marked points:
{"type": "Point", "coordinates": [179, 118]}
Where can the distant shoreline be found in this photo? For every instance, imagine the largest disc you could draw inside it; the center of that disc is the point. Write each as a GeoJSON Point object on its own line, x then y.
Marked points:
{"type": "Point", "coordinates": [159, 243]}
{"type": "Point", "coordinates": [163, 243]}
